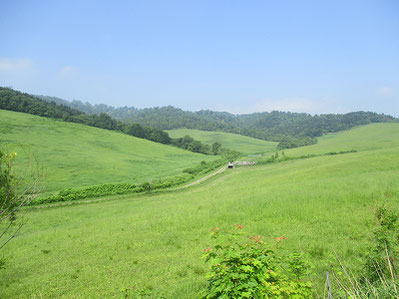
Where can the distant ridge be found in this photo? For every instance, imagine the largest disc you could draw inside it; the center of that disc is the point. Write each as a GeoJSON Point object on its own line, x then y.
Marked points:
{"type": "Point", "coordinates": [288, 128]}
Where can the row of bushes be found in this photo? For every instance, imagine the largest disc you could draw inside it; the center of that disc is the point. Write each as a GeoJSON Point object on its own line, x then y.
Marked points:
{"type": "Point", "coordinates": [276, 158]}
{"type": "Point", "coordinates": [112, 189]}
{"type": "Point", "coordinates": [204, 167]}
{"type": "Point", "coordinates": [125, 188]}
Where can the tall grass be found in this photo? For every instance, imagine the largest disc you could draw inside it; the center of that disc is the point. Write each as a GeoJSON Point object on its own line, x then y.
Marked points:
{"type": "Point", "coordinates": [152, 244]}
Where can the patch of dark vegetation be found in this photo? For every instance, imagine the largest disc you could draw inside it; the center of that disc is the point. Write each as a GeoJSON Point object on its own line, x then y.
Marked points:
{"type": "Point", "coordinates": [3, 262]}
{"type": "Point", "coordinates": [276, 158]}
{"type": "Point", "coordinates": [287, 128]}
{"type": "Point", "coordinates": [22, 102]}
{"type": "Point", "coordinates": [112, 189]}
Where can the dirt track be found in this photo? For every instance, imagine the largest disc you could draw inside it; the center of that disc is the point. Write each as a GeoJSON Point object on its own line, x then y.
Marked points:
{"type": "Point", "coordinates": [108, 198]}
{"type": "Point", "coordinates": [202, 179]}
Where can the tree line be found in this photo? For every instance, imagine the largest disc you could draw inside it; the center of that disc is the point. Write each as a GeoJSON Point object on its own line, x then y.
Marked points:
{"type": "Point", "coordinates": [23, 102]}
{"type": "Point", "coordinates": [287, 128]}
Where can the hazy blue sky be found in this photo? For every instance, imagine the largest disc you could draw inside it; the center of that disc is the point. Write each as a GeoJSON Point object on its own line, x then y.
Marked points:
{"type": "Point", "coordinates": [236, 56]}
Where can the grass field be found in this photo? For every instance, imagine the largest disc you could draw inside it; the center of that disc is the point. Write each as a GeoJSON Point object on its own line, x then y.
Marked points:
{"type": "Point", "coordinates": [240, 143]}
{"type": "Point", "coordinates": [152, 244]}
{"type": "Point", "coordinates": [363, 138]}
{"type": "Point", "coordinates": [74, 155]}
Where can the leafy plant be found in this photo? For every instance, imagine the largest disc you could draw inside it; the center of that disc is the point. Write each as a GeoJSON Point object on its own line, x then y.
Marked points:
{"type": "Point", "coordinates": [249, 268]}
{"type": "Point", "coordinates": [13, 196]}
{"type": "Point", "coordinates": [379, 277]}
{"type": "Point", "coordinates": [382, 259]}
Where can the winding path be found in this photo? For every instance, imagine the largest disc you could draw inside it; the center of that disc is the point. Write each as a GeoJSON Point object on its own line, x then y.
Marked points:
{"type": "Point", "coordinates": [201, 179]}
{"type": "Point", "coordinates": [109, 198]}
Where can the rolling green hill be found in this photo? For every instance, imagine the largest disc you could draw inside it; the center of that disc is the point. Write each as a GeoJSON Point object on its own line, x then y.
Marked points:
{"type": "Point", "coordinates": [289, 129]}
{"type": "Point", "coordinates": [74, 155]}
{"type": "Point", "coordinates": [363, 138]}
{"type": "Point", "coordinates": [152, 244]}
{"type": "Point", "coordinates": [240, 143]}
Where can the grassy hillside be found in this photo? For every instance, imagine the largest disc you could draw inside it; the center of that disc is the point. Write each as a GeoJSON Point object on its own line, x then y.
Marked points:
{"type": "Point", "coordinates": [152, 244]}
{"type": "Point", "coordinates": [74, 155]}
{"type": "Point", "coordinates": [363, 138]}
{"type": "Point", "coordinates": [231, 141]}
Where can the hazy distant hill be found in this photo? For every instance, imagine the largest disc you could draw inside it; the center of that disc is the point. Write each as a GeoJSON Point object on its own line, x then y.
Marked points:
{"type": "Point", "coordinates": [290, 129]}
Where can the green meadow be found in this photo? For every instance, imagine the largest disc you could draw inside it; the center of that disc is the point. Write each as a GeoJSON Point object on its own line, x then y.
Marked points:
{"type": "Point", "coordinates": [74, 155]}
{"type": "Point", "coordinates": [364, 138]}
{"type": "Point", "coordinates": [151, 244]}
{"type": "Point", "coordinates": [240, 143]}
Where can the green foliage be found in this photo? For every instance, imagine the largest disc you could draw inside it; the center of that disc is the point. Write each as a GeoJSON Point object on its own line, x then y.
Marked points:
{"type": "Point", "coordinates": [276, 158]}
{"type": "Point", "coordinates": [291, 142]}
{"type": "Point", "coordinates": [3, 262]}
{"type": "Point", "coordinates": [382, 260]}
{"type": "Point", "coordinates": [378, 279]}
{"type": "Point", "coordinates": [290, 129]}
{"type": "Point", "coordinates": [205, 167]}
{"type": "Point", "coordinates": [249, 268]}
{"type": "Point", "coordinates": [216, 147]}
{"type": "Point", "coordinates": [111, 189]}
{"type": "Point", "coordinates": [8, 197]}
{"type": "Point", "coordinates": [23, 102]}
{"type": "Point", "coordinates": [13, 197]}
{"type": "Point", "coordinates": [189, 143]}
{"type": "Point", "coordinates": [240, 143]}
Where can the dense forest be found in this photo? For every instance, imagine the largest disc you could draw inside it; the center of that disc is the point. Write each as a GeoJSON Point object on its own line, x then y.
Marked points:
{"type": "Point", "coordinates": [23, 102]}
{"type": "Point", "coordinates": [289, 129]}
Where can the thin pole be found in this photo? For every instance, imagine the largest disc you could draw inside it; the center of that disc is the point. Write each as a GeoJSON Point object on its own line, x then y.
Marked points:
{"type": "Point", "coordinates": [328, 286]}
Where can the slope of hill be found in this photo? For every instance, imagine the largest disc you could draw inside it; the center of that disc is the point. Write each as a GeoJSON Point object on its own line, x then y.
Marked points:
{"type": "Point", "coordinates": [22, 102]}
{"type": "Point", "coordinates": [74, 155]}
{"type": "Point", "coordinates": [290, 129]}
{"type": "Point", "coordinates": [363, 138]}
{"type": "Point", "coordinates": [240, 143]}
{"type": "Point", "coordinates": [152, 244]}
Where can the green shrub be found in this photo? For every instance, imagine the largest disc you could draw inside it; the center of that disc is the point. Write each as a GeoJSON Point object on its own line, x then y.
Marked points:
{"type": "Point", "coordinates": [382, 258]}
{"type": "Point", "coordinates": [112, 189]}
{"type": "Point", "coordinates": [249, 268]}
{"type": "Point", "coordinates": [379, 278]}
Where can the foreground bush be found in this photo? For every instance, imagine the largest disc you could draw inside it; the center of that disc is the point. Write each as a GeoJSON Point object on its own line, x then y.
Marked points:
{"type": "Point", "coordinates": [249, 268]}
{"type": "Point", "coordinates": [379, 277]}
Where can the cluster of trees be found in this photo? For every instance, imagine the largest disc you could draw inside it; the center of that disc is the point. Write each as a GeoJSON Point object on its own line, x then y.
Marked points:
{"type": "Point", "coordinates": [289, 129]}
{"type": "Point", "coordinates": [189, 143]}
{"type": "Point", "coordinates": [291, 142]}
{"type": "Point", "coordinates": [162, 118]}
{"type": "Point", "coordinates": [23, 102]}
